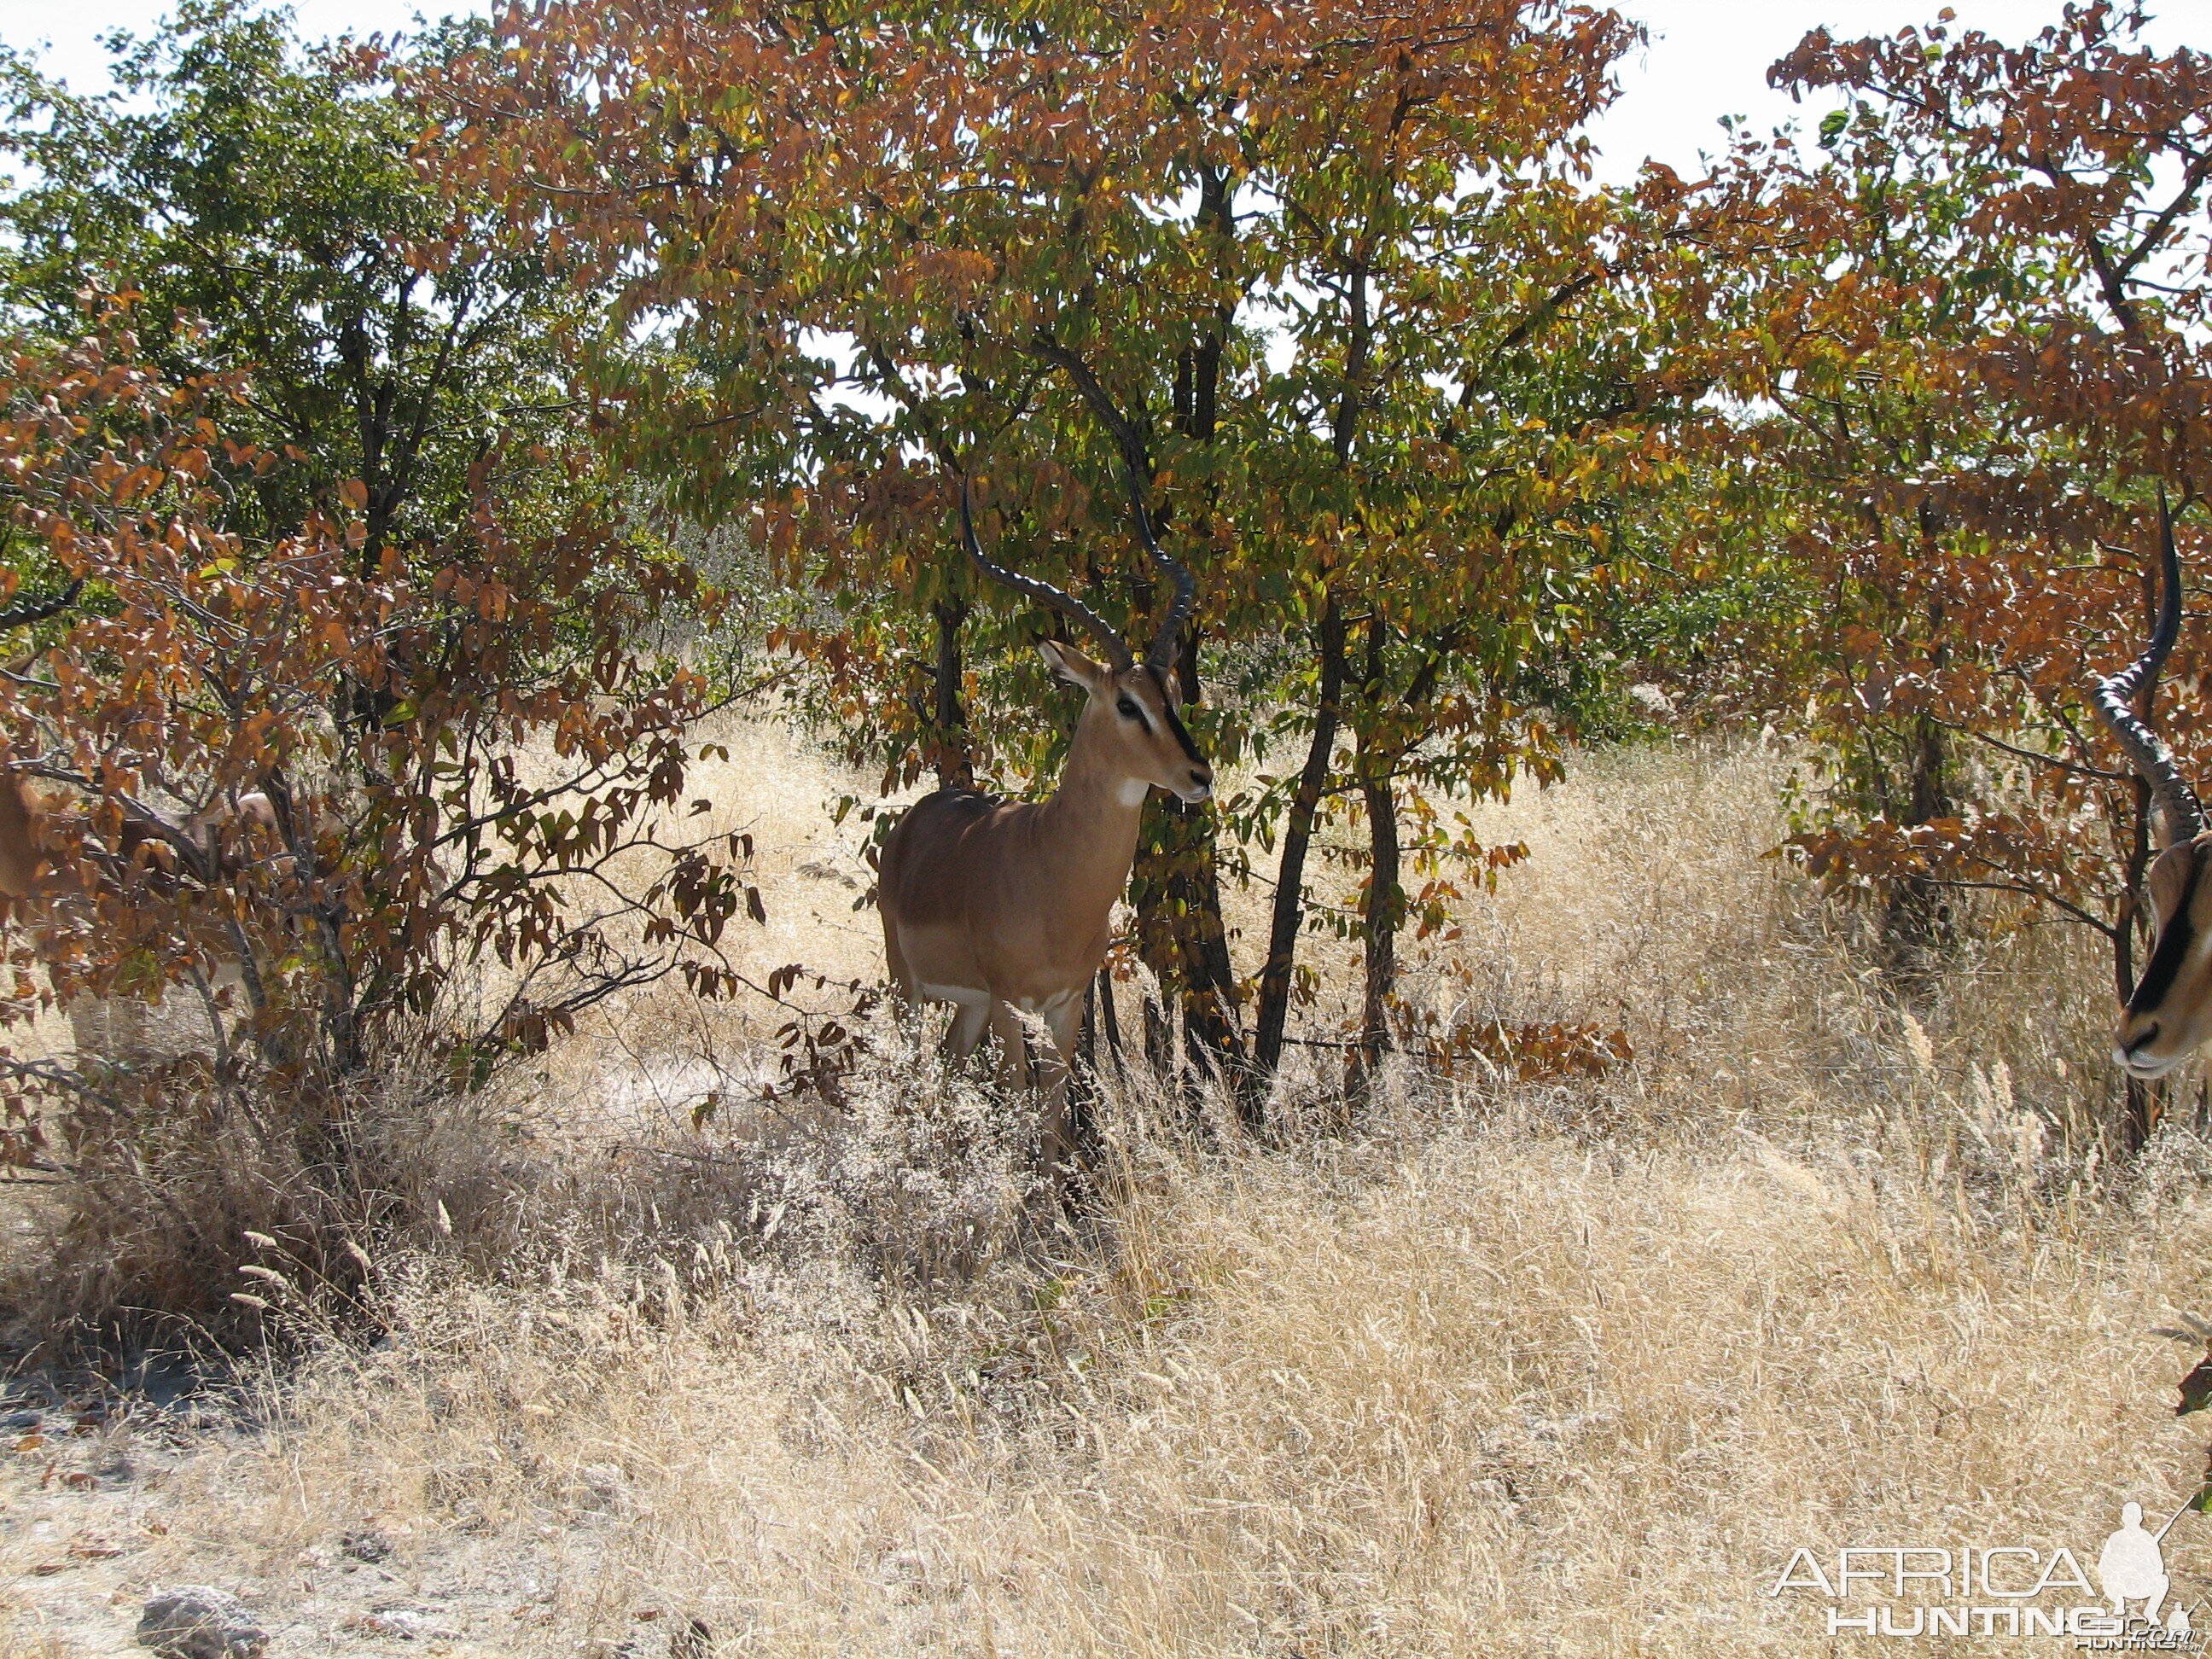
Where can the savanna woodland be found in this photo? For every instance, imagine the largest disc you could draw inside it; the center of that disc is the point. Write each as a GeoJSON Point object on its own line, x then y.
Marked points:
{"type": "Point", "coordinates": [1677, 702]}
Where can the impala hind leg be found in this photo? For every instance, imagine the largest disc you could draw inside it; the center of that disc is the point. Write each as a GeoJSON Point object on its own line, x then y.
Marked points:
{"type": "Point", "coordinates": [905, 995]}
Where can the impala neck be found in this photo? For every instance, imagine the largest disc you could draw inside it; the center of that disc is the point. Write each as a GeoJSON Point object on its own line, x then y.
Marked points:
{"type": "Point", "coordinates": [1091, 822]}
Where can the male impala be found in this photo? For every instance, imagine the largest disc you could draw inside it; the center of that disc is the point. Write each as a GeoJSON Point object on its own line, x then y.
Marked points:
{"type": "Point", "coordinates": [2169, 1015]}
{"type": "Point", "coordinates": [995, 905]}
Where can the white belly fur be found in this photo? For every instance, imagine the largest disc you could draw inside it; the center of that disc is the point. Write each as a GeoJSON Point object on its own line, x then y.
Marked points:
{"type": "Point", "coordinates": [966, 995]}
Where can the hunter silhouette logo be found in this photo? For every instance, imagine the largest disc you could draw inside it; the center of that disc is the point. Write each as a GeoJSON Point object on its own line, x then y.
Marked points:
{"type": "Point", "coordinates": [2132, 1568]}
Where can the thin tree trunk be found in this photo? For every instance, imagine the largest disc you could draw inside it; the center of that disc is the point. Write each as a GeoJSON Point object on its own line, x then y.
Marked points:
{"type": "Point", "coordinates": [2131, 916]}
{"type": "Point", "coordinates": [1287, 921]}
{"type": "Point", "coordinates": [342, 1042]}
{"type": "Point", "coordinates": [1917, 917]}
{"type": "Point", "coordinates": [1178, 889]}
{"type": "Point", "coordinates": [1159, 1033]}
{"type": "Point", "coordinates": [2140, 1112]}
{"type": "Point", "coordinates": [1210, 1022]}
{"type": "Point", "coordinates": [1082, 1078]}
{"type": "Point", "coordinates": [1103, 989]}
{"type": "Point", "coordinates": [1086, 1039]}
{"type": "Point", "coordinates": [1177, 896]}
{"type": "Point", "coordinates": [1210, 1028]}
{"type": "Point", "coordinates": [1385, 903]}
{"type": "Point", "coordinates": [1377, 765]}
{"type": "Point", "coordinates": [955, 757]}
{"type": "Point", "coordinates": [1289, 918]}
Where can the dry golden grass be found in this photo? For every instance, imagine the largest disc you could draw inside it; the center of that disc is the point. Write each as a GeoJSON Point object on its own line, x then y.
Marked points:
{"type": "Point", "coordinates": [1513, 1368]}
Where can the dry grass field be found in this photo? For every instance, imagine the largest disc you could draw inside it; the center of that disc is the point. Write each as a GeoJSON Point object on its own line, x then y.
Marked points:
{"type": "Point", "coordinates": [1503, 1367]}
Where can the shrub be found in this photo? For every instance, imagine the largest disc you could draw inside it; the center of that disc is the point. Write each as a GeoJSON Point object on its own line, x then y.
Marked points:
{"type": "Point", "coordinates": [311, 787]}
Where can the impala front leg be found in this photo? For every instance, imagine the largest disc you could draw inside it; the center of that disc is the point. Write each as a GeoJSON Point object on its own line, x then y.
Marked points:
{"type": "Point", "coordinates": [1014, 1063]}
{"type": "Point", "coordinates": [968, 1019]}
{"type": "Point", "coordinates": [1064, 1019]}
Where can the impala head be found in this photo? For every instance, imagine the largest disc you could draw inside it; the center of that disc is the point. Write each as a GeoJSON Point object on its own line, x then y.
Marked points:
{"type": "Point", "coordinates": [2168, 1016]}
{"type": "Point", "coordinates": [1134, 717]}
{"type": "Point", "coordinates": [1135, 722]}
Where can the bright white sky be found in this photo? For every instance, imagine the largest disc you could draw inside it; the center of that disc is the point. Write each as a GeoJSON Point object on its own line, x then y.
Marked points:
{"type": "Point", "coordinates": [1707, 57]}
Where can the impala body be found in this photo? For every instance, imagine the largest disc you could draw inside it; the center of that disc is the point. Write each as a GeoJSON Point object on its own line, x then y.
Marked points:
{"type": "Point", "coordinates": [21, 839]}
{"type": "Point", "coordinates": [30, 875]}
{"type": "Point", "coordinates": [125, 1027]}
{"type": "Point", "coordinates": [27, 869]}
{"type": "Point", "coordinates": [2168, 1016]}
{"type": "Point", "coordinates": [1004, 908]}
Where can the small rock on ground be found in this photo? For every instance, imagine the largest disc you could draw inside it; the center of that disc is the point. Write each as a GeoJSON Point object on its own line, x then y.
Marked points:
{"type": "Point", "coordinates": [194, 1621]}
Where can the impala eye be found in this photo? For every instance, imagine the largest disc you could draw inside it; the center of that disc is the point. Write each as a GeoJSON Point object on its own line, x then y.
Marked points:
{"type": "Point", "coordinates": [1128, 710]}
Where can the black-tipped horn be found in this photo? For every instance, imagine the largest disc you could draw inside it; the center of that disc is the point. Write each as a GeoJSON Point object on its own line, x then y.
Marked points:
{"type": "Point", "coordinates": [1117, 649]}
{"type": "Point", "coordinates": [1161, 653]}
{"type": "Point", "coordinates": [2114, 697]}
{"type": "Point", "coordinates": [36, 610]}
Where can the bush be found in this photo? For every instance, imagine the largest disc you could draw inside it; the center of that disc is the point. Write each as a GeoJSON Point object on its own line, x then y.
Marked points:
{"type": "Point", "coordinates": [313, 791]}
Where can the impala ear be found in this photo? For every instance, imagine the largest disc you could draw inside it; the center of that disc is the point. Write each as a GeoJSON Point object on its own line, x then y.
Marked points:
{"type": "Point", "coordinates": [1071, 664]}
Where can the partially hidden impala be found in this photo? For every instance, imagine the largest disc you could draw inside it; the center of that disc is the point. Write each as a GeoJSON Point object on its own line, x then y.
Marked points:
{"type": "Point", "coordinates": [2168, 1015]}
{"type": "Point", "coordinates": [998, 905]}
{"type": "Point", "coordinates": [34, 872]}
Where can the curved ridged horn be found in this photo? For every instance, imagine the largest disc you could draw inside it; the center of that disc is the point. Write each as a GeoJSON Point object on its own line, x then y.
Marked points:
{"type": "Point", "coordinates": [1161, 653]}
{"type": "Point", "coordinates": [2145, 751]}
{"type": "Point", "coordinates": [36, 610]}
{"type": "Point", "coordinates": [1117, 649]}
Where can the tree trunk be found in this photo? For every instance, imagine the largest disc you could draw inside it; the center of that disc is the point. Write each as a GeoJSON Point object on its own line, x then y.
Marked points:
{"type": "Point", "coordinates": [2142, 1103]}
{"type": "Point", "coordinates": [953, 755]}
{"type": "Point", "coordinates": [1916, 918]}
{"type": "Point", "coordinates": [1375, 763]}
{"type": "Point", "coordinates": [1385, 908]}
{"type": "Point", "coordinates": [1159, 1033]}
{"type": "Point", "coordinates": [324, 921]}
{"type": "Point", "coordinates": [1289, 917]}
{"type": "Point", "coordinates": [1211, 1035]}
{"type": "Point", "coordinates": [1210, 1025]}
{"type": "Point", "coordinates": [1083, 1079]}
{"type": "Point", "coordinates": [2140, 1110]}
{"type": "Point", "coordinates": [1102, 990]}
{"type": "Point", "coordinates": [1177, 894]}
{"type": "Point", "coordinates": [1178, 886]}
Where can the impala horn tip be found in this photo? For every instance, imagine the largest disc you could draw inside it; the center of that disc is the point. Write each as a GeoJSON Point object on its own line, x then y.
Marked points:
{"type": "Point", "coordinates": [1161, 653]}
